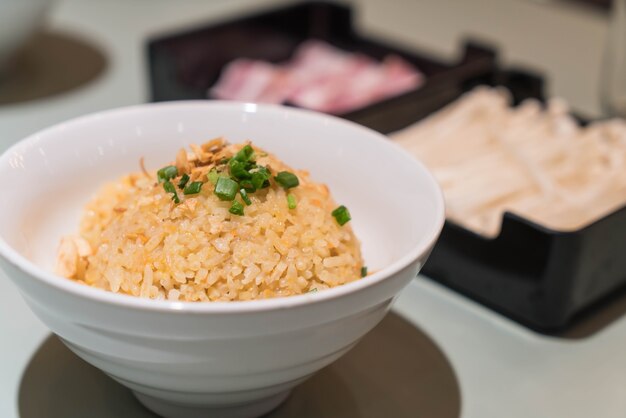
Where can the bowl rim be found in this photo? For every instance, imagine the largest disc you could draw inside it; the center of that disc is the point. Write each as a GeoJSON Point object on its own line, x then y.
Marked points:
{"type": "Point", "coordinates": [63, 284]}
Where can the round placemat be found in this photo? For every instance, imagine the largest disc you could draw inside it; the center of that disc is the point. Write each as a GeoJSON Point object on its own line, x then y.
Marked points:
{"type": "Point", "coordinates": [395, 371]}
{"type": "Point", "coordinates": [49, 64]}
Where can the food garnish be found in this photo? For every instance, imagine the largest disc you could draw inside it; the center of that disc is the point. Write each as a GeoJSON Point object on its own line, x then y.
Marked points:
{"type": "Point", "coordinates": [238, 174]}
{"type": "Point", "coordinates": [244, 197]}
{"type": "Point", "coordinates": [183, 181]}
{"type": "Point", "coordinates": [193, 188]}
{"type": "Point", "coordinates": [286, 179]}
{"type": "Point", "coordinates": [167, 173]}
{"type": "Point", "coordinates": [169, 187]}
{"type": "Point", "coordinates": [342, 215]}
{"type": "Point", "coordinates": [291, 201]}
{"type": "Point", "coordinates": [236, 208]}
{"type": "Point", "coordinates": [226, 189]}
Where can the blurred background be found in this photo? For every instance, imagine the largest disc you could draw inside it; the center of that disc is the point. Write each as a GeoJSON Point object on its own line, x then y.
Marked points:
{"type": "Point", "coordinates": [564, 40]}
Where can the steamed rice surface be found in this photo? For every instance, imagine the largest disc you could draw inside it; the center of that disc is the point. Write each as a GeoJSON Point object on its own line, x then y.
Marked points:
{"type": "Point", "coordinates": [137, 241]}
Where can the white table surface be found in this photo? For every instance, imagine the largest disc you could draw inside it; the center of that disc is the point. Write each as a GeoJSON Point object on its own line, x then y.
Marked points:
{"type": "Point", "coordinates": [503, 369]}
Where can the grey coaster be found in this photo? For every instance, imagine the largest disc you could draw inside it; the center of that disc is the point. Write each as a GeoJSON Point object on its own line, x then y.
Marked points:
{"type": "Point", "coordinates": [395, 371]}
{"type": "Point", "coordinates": [49, 64]}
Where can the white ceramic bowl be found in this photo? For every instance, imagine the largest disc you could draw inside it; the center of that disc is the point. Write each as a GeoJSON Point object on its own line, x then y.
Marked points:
{"type": "Point", "coordinates": [222, 359]}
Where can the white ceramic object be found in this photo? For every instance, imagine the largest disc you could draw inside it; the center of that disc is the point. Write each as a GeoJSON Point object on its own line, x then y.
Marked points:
{"type": "Point", "coordinates": [237, 359]}
{"type": "Point", "coordinates": [18, 20]}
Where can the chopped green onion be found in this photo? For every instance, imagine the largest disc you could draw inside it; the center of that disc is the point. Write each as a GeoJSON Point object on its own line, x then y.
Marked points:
{"type": "Point", "coordinates": [225, 188]}
{"type": "Point", "coordinates": [183, 181]}
{"type": "Point", "coordinates": [261, 178]}
{"type": "Point", "coordinates": [286, 179]}
{"type": "Point", "coordinates": [213, 175]}
{"type": "Point", "coordinates": [238, 169]}
{"type": "Point", "coordinates": [313, 290]}
{"type": "Point", "coordinates": [247, 186]}
{"type": "Point", "coordinates": [291, 201]}
{"type": "Point", "coordinates": [244, 197]}
{"type": "Point", "coordinates": [245, 154]}
{"type": "Point", "coordinates": [236, 208]}
{"type": "Point", "coordinates": [363, 271]}
{"type": "Point", "coordinates": [167, 173]}
{"type": "Point", "coordinates": [169, 187]}
{"type": "Point", "coordinates": [342, 215]}
{"type": "Point", "coordinates": [193, 188]}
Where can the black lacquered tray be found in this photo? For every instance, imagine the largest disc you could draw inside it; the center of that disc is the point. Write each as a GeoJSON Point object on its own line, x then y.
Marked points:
{"type": "Point", "coordinates": [542, 278]}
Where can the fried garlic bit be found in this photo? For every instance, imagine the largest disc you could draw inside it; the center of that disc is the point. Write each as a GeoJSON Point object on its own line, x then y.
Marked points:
{"type": "Point", "coordinates": [142, 165]}
{"type": "Point", "coordinates": [182, 163]}
{"type": "Point", "coordinates": [201, 157]}
{"type": "Point", "coordinates": [72, 250]}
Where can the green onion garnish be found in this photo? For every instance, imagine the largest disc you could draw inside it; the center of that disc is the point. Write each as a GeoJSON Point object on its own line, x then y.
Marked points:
{"type": "Point", "coordinates": [225, 188]}
{"type": "Point", "coordinates": [183, 181]}
{"type": "Point", "coordinates": [363, 271]}
{"type": "Point", "coordinates": [261, 178]}
{"type": "Point", "coordinates": [193, 188]}
{"type": "Point", "coordinates": [291, 201]}
{"type": "Point", "coordinates": [238, 169]}
{"type": "Point", "coordinates": [245, 154]}
{"type": "Point", "coordinates": [236, 208]}
{"type": "Point", "coordinates": [169, 187]}
{"type": "Point", "coordinates": [244, 197]}
{"type": "Point", "coordinates": [286, 179]}
{"type": "Point", "coordinates": [213, 175]}
{"type": "Point", "coordinates": [341, 214]}
{"type": "Point", "coordinates": [313, 290]}
{"type": "Point", "coordinates": [167, 173]}
{"type": "Point", "coordinates": [247, 186]}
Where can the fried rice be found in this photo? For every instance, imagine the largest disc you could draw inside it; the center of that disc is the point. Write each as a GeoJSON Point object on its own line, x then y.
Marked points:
{"type": "Point", "coordinates": [135, 239]}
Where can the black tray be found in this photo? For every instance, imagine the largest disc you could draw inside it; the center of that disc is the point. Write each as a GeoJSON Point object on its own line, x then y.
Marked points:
{"type": "Point", "coordinates": [542, 278]}
{"type": "Point", "coordinates": [183, 66]}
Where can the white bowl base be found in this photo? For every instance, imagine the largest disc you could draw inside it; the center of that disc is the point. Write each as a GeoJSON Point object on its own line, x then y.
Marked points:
{"type": "Point", "coordinates": [248, 410]}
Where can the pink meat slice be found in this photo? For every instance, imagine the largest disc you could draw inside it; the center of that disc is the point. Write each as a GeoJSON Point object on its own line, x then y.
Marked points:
{"type": "Point", "coordinates": [339, 91]}
{"type": "Point", "coordinates": [325, 74]}
{"type": "Point", "coordinates": [319, 77]}
{"type": "Point", "coordinates": [355, 83]}
{"type": "Point", "coordinates": [250, 80]}
{"type": "Point", "coordinates": [400, 76]}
